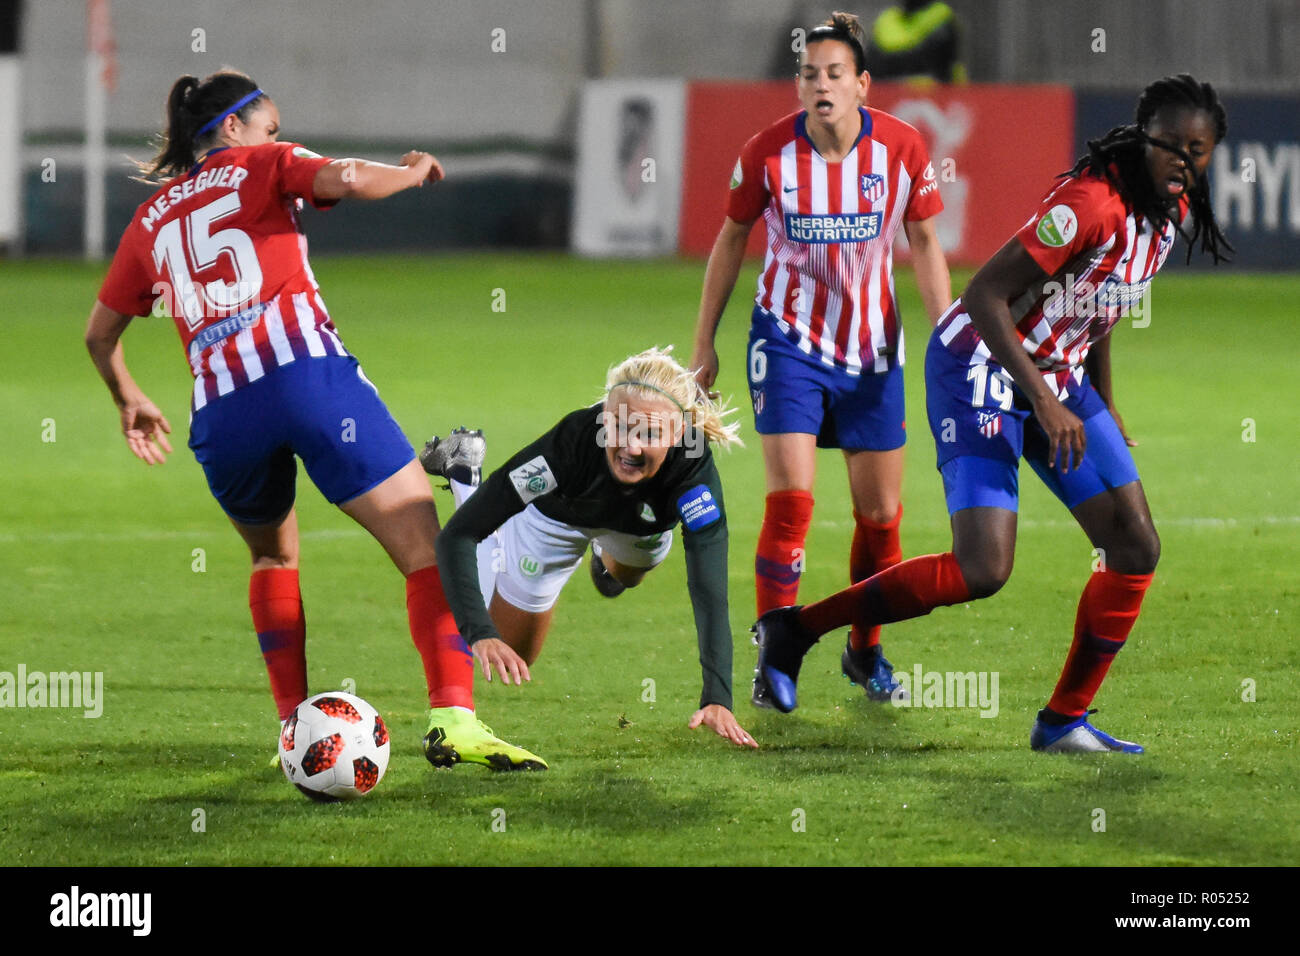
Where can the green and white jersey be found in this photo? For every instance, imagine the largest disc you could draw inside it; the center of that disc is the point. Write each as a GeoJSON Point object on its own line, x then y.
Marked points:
{"type": "Point", "coordinates": [565, 476]}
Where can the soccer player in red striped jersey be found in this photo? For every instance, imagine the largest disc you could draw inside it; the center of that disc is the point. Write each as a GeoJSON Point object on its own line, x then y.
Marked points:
{"type": "Point", "coordinates": [1020, 365]}
{"type": "Point", "coordinates": [220, 244]}
{"type": "Point", "coordinates": [833, 183]}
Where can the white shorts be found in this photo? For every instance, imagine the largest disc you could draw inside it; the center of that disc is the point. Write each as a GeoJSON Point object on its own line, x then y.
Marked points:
{"type": "Point", "coordinates": [530, 557]}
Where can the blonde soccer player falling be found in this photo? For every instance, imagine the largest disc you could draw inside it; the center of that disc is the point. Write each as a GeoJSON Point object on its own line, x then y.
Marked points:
{"type": "Point", "coordinates": [616, 478]}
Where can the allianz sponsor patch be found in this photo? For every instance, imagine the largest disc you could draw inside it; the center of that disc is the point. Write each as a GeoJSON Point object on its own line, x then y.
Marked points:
{"type": "Point", "coordinates": [533, 479]}
{"type": "Point", "coordinates": [823, 228]}
{"type": "Point", "coordinates": [1058, 226]}
{"type": "Point", "coordinates": [698, 508]}
{"type": "Point", "coordinates": [737, 176]}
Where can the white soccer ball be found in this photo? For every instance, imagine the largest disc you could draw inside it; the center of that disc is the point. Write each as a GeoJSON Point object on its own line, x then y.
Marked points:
{"type": "Point", "coordinates": [334, 746]}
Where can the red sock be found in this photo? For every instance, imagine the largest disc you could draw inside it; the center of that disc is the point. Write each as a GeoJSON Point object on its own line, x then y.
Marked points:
{"type": "Point", "coordinates": [448, 663]}
{"type": "Point", "coordinates": [875, 547]}
{"type": "Point", "coordinates": [909, 589]}
{"type": "Point", "coordinates": [281, 626]}
{"type": "Point", "coordinates": [1107, 611]}
{"type": "Point", "coordinates": [780, 558]}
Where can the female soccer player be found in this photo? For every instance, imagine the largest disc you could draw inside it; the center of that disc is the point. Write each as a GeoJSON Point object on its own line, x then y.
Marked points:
{"type": "Point", "coordinates": [620, 475]}
{"type": "Point", "coordinates": [832, 182]}
{"type": "Point", "coordinates": [1021, 365]}
{"type": "Point", "coordinates": [221, 241]}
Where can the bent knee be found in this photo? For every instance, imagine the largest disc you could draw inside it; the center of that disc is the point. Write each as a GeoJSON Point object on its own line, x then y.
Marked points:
{"type": "Point", "coordinates": [1143, 554]}
{"type": "Point", "coordinates": [985, 578]}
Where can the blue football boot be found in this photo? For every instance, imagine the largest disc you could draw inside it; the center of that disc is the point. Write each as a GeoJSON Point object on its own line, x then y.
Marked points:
{"type": "Point", "coordinates": [1078, 736]}
{"type": "Point", "coordinates": [781, 647]}
{"type": "Point", "coordinates": [869, 669]}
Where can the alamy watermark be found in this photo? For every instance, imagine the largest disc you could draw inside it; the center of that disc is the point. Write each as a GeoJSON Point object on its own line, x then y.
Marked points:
{"type": "Point", "coordinates": [74, 689]}
{"type": "Point", "coordinates": [947, 689]}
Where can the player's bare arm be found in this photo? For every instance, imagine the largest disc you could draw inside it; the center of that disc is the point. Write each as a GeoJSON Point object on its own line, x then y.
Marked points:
{"type": "Point", "coordinates": [719, 281]}
{"type": "Point", "coordinates": [143, 424]}
{"type": "Point", "coordinates": [363, 179]}
{"type": "Point", "coordinates": [931, 267]}
{"type": "Point", "coordinates": [988, 298]}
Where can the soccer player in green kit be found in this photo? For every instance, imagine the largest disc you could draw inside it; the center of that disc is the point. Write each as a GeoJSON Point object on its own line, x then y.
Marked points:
{"type": "Point", "coordinates": [617, 476]}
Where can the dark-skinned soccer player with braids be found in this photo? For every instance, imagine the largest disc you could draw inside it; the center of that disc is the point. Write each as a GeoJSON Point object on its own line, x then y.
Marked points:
{"type": "Point", "coordinates": [1020, 365]}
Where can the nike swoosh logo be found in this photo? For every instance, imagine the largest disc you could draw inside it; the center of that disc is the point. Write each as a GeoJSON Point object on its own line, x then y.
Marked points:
{"type": "Point", "coordinates": [790, 189]}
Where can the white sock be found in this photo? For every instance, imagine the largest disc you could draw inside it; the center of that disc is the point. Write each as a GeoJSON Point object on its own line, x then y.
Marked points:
{"type": "Point", "coordinates": [460, 491]}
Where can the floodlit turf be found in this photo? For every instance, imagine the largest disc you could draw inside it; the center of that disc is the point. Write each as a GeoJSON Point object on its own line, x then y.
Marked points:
{"type": "Point", "coordinates": [108, 566]}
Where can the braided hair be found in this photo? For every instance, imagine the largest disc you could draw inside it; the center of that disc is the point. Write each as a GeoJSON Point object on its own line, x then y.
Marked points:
{"type": "Point", "coordinates": [1119, 157]}
{"type": "Point", "coordinates": [190, 105]}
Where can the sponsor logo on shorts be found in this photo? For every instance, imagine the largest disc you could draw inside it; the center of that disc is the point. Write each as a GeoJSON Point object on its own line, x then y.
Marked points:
{"type": "Point", "coordinates": [1058, 226]}
{"type": "Point", "coordinates": [824, 228]}
{"type": "Point", "coordinates": [533, 479]}
{"type": "Point", "coordinates": [530, 566]}
{"type": "Point", "coordinates": [698, 508]}
{"type": "Point", "coordinates": [873, 187]}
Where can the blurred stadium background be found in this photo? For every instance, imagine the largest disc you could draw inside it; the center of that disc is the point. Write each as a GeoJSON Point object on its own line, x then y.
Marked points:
{"type": "Point", "coordinates": [495, 88]}
{"type": "Point", "coordinates": [545, 114]}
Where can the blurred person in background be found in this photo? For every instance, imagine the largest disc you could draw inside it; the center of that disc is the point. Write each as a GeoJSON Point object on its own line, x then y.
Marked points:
{"type": "Point", "coordinates": [918, 41]}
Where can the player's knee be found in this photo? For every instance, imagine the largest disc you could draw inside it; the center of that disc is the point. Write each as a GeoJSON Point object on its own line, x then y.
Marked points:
{"type": "Point", "coordinates": [1145, 552]}
{"type": "Point", "coordinates": [628, 577]}
{"type": "Point", "coordinates": [985, 577]}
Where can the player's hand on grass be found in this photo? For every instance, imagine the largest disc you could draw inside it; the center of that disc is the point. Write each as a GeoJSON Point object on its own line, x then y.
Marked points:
{"type": "Point", "coordinates": [494, 653]}
{"type": "Point", "coordinates": [705, 363]}
{"type": "Point", "coordinates": [723, 722]}
{"type": "Point", "coordinates": [425, 164]}
{"type": "Point", "coordinates": [146, 430]}
{"type": "Point", "coordinates": [1065, 435]}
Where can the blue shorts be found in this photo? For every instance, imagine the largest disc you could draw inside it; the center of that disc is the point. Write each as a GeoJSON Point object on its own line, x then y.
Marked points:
{"type": "Point", "coordinates": [324, 410]}
{"type": "Point", "coordinates": [980, 444]}
{"type": "Point", "coordinates": [793, 392]}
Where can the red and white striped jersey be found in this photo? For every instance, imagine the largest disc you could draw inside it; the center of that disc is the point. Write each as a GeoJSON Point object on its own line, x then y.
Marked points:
{"type": "Point", "coordinates": [828, 275]}
{"type": "Point", "coordinates": [222, 247]}
{"type": "Point", "coordinates": [1100, 258]}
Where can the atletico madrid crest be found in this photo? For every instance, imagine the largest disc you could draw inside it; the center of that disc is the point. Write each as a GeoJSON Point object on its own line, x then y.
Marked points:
{"type": "Point", "coordinates": [990, 423]}
{"type": "Point", "coordinates": [873, 187]}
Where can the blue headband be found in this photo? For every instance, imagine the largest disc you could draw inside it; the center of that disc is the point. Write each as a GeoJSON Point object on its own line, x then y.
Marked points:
{"type": "Point", "coordinates": [212, 123]}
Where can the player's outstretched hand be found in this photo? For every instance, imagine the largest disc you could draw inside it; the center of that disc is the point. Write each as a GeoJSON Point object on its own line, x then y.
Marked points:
{"type": "Point", "coordinates": [426, 164]}
{"type": "Point", "coordinates": [146, 430]}
{"type": "Point", "coordinates": [723, 723]}
{"type": "Point", "coordinates": [494, 653]}
{"type": "Point", "coordinates": [705, 363]}
{"type": "Point", "coordinates": [1066, 437]}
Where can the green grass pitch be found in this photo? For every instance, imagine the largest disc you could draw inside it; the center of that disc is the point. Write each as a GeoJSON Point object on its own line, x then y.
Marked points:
{"type": "Point", "coordinates": [102, 571]}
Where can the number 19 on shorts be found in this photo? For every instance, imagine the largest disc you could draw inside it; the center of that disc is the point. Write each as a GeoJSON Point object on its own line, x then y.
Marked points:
{"type": "Point", "coordinates": [995, 386]}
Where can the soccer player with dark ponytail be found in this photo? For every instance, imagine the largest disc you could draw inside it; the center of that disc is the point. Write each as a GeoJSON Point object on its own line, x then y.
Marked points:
{"type": "Point", "coordinates": [1020, 365]}
{"type": "Point", "coordinates": [833, 184]}
{"type": "Point", "coordinates": [221, 241]}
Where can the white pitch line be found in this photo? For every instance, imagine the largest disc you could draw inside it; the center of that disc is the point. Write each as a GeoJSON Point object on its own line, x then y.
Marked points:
{"type": "Point", "coordinates": [331, 534]}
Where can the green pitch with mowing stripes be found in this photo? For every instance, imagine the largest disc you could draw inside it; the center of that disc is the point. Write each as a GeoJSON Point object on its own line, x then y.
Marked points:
{"type": "Point", "coordinates": [111, 567]}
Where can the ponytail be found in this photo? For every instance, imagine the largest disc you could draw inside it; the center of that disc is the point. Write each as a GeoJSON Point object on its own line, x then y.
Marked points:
{"type": "Point", "coordinates": [191, 105]}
